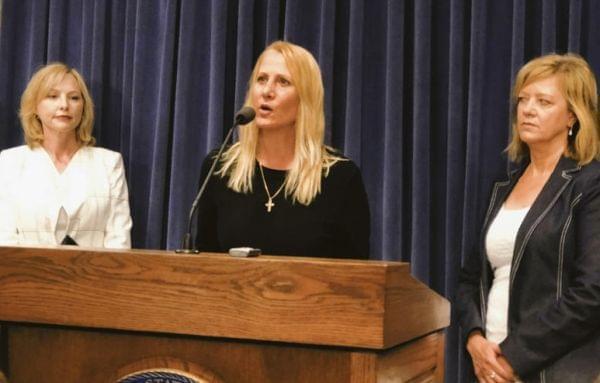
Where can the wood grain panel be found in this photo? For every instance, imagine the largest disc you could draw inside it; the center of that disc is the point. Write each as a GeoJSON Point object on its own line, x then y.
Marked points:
{"type": "Point", "coordinates": [363, 367]}
{"type": "Point", "coordinates": [303, 300]}
{"type": "Point", "coordinates": [411, 308]}
{"type": "Point", "coordinates": [88, 315]}
{"type": "Point", "coordinates": [92, 356]}
{"type": "Point", "coordinates": [417, 361]}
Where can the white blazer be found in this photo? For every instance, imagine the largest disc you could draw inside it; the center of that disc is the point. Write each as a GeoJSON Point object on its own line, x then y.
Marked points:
{"type": "Point", "coordinates": [92, 190]}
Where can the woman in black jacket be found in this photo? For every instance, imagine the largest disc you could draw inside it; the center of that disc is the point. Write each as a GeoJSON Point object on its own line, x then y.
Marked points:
{"type": "Point", "coordinates": [529, 298]}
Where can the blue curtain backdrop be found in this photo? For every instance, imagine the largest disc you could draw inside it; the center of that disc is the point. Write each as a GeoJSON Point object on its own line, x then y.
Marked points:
{"type": "Point", "coordinates": [416, 94]}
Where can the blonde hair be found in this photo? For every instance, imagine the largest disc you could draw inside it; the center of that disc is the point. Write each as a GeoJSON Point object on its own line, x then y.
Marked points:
{"type": "Point", "coordinates": [38, 87]}
{"type": "Point", "coordinates": [577, 84]}
{"type": "Point", "coordinates": [312, 159]}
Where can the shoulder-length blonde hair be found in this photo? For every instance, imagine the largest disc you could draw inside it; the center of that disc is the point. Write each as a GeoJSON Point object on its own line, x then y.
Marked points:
{"type": "Point", "coordinates": [312, 159]}
{"type": "Point", "coordinates": [577, 84]}
{"type": "Point", "coordinates": [38, 87]}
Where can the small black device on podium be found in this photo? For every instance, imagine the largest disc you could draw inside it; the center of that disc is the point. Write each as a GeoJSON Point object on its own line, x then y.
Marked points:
{"type": "Point", "coordinates": [244, 252]}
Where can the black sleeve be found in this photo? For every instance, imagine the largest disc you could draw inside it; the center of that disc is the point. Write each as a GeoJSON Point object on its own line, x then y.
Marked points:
{"type": "Point", "coordinates": [206, 231]}
{"type": "Point", "coordinates": [467, 302]}
{"type": "Point", "coordinates": [355, 217]}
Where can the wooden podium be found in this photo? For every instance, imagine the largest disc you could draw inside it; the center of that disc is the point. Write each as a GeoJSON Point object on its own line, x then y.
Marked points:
{"type": "Point", "coordinates": [89, 315]}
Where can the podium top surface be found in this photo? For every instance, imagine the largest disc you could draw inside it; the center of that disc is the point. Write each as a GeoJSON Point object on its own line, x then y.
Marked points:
{"type": "Point", "coordinates": [350, 303]}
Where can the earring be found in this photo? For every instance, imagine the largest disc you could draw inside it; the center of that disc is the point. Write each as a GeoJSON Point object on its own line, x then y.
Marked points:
{"type": "Point", "coordinates": [570, 131]}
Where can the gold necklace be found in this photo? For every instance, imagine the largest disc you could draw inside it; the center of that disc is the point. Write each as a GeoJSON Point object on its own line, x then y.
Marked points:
{"type": "Point", "coordinates": [269, 203]}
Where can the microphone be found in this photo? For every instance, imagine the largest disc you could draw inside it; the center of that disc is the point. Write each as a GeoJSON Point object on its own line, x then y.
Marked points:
{"type": "Point", "coordinates": [242, 117]}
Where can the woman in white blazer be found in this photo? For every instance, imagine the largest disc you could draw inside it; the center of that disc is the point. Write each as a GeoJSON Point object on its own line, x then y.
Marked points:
{"type": "Point", "coordinates": [59, 188]}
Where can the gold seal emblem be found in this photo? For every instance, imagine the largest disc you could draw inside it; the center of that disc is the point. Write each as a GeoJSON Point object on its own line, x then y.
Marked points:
{"type": "Point", "coordinates": [161, 375]}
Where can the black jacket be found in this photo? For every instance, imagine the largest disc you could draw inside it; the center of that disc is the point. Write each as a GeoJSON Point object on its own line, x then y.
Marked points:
{"type": "Point", "coordinates": [554, 290]}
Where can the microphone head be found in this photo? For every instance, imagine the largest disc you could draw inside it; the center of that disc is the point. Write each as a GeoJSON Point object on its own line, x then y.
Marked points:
{"type": "Point", "coordinates": [244, 116]}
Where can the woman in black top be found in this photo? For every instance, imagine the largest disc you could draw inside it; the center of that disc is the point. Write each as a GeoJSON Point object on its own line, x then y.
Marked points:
{"type": "Point", "coordinates": [279, 188]}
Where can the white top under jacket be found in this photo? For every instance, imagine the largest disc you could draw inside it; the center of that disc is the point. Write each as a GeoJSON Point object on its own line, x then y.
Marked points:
{"type": "Point", "coordinates": [92, 191]}
{"type": "Point", "coordinates": [500, 245]}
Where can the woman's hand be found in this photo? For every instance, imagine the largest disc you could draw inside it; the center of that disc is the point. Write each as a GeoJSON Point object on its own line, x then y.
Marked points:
{"type": "Point", "coordinates": [489, 364]}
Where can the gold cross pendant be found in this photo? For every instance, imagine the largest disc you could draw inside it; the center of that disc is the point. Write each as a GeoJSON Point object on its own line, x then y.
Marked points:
{"type": "Point", "coordinates": [269, 205]}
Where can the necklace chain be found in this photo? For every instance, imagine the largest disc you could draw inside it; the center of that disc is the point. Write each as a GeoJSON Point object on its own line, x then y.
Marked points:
{"type": "Point", "coordinates": [269, 203]}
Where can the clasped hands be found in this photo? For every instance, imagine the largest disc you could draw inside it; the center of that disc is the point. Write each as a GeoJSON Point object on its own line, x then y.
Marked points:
{"type": "Point", "coordinates": [489, 363]}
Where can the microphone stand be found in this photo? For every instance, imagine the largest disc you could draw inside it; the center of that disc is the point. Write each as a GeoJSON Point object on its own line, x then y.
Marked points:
{"type": "Point", "coordinates": [243, 117]}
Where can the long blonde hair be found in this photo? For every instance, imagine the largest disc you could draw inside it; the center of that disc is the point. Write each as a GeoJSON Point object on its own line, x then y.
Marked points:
{"type": "Point", "coordinates": [312, 159]}
{"type": "Point", "coordinates": [578, 86]}
{"type": "Point", "coordinates": [38, 87]}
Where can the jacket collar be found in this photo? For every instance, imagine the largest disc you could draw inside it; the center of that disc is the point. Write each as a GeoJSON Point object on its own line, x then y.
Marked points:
{"type": "Point", "coordinates": [554, 187]}
{"type": "Point", "coordinates": [562, 173]}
